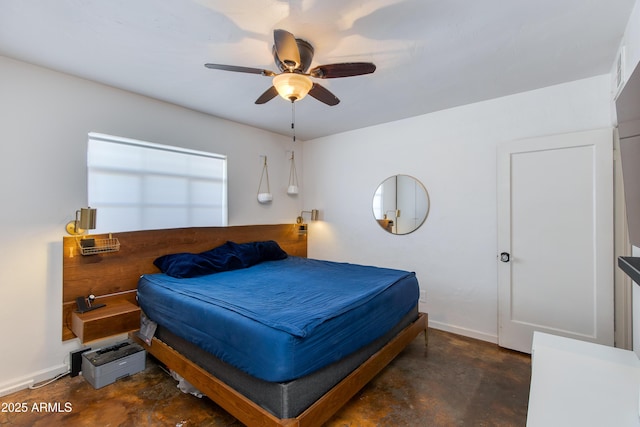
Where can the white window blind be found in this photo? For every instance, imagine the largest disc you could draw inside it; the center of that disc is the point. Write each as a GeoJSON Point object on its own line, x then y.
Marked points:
{"type": "Point", "coordinates": [138, 185]}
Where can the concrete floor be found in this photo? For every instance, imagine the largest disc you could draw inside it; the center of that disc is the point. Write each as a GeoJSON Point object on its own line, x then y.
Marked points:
{"type": "Point", "coordinates": [457, 381]}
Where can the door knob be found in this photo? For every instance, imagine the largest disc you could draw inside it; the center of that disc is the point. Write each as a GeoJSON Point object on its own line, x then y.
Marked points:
{"type": "Point", "coordinates": [504, 257]}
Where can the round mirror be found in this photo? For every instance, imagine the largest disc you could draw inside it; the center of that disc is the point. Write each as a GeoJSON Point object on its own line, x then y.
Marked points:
{"type": "Point", "coordinates": [400, 204]}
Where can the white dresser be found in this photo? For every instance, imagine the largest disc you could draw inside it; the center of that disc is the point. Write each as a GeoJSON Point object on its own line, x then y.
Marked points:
{"type": "Point", "coordinates": [576, 383]}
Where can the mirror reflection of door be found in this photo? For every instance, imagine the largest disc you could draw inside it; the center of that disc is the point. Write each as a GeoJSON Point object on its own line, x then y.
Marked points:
{"type": "Point", "coordinates": [400, 204]}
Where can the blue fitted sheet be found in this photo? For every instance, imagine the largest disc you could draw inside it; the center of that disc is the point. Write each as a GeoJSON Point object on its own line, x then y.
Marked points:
{"type": "Point", "coordinates": [281, 320]}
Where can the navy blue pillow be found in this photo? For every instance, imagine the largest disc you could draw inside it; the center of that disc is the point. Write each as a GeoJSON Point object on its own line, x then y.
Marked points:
{"type": "Point", "coordinates": [270, 251]}
{"type": "Point", "coordinates": [223, 258]}
{"type": "Point", "coordinates": [247, 253]}
{"type": "Point", "coordinates": [230, 256]}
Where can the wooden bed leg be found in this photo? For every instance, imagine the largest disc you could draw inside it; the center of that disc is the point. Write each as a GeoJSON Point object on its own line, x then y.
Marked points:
{"type": "Point", "coordinates": [426, 334]}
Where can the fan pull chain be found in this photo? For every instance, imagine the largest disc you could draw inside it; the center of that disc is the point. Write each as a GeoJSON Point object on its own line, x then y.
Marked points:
{"type": "Point", "coordinates": [293, 174]}
{"type": "Point", "coordinates": [293, 120]}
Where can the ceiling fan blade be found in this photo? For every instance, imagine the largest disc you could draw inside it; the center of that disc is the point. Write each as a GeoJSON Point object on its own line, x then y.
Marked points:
{"type": "Point", "coordinates": [287, 48]}
{"type": "Point", "coordinates": [267, 96]}
{"type": "Point", "coordinates": [345, 69]}
{"type": "Point", "coordinates": [240, 69]}
{"type": "Point", "coordinates": [323, 94]}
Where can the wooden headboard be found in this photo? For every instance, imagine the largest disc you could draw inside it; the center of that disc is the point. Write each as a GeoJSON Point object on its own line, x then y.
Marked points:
{"type": "Point", "coordinates": [115, 274]}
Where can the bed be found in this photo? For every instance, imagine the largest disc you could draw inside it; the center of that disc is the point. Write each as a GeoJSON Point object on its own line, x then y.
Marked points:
{"type": "Point", "coordinates": [293, 367]}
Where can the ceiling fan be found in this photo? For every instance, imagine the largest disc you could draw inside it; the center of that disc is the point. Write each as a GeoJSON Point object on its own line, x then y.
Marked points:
{"type": "Point", "coordinates": [293, 57]}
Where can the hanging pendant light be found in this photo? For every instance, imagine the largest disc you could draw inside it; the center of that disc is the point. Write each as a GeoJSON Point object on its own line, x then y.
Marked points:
{"type": "Point", "coordinates": [293, 177]}
{"type": "Point", "coordinates": [264, 196]}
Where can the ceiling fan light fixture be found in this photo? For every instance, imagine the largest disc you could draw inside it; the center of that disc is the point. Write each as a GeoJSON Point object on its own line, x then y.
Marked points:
{"type": "Point", "coordinates": [293, 57]}
{"type": "Point", "coordinates": [292, 86]}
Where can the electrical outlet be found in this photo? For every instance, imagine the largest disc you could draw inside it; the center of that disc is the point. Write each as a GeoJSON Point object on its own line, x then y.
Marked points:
{"type": "Point", "coordinates": [75, 361]}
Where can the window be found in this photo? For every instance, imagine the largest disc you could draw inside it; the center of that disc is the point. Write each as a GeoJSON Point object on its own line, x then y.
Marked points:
{"type": "Point", "coordinates": [139, 185]}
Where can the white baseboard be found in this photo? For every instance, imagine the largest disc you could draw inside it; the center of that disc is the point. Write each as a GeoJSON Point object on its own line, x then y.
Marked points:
{"type": "Point", "coordinates": [15, 387]}
{"type": "Point", "coordinates": [27, 381]}
{"type": "Point", "coordinates": [483, 336]}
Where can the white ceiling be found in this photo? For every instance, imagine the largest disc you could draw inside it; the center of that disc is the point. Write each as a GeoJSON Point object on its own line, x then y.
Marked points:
{"type": "Point", "coordinates": [430, 54]}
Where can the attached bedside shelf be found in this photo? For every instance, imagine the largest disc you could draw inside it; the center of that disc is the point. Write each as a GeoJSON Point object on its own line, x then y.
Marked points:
{"type": "Point", "coordinates": [117, 317]}
{"type": "Point", "coordinates": [98, 246]}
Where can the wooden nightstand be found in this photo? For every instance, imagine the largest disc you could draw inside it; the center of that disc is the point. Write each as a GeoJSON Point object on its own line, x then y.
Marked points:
{"type": "Point", "coordinates": [117, 317]}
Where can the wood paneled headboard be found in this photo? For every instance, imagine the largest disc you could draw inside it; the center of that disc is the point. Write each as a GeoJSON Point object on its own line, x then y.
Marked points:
{"type": "Point", "coordinates": [115, 274]}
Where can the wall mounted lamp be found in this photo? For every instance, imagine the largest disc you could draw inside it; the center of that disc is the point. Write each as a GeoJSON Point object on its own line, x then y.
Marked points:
{"type": "Point", "coordinates": [302, 226]}
{"type": "Point", "coordinates": [85, 220]}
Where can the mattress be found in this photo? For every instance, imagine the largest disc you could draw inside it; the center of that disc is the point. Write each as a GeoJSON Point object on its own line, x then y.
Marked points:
{"type": "Point", "coordinates": [281, 320]}
{"type": "Point", "coordinates": [287, 399]}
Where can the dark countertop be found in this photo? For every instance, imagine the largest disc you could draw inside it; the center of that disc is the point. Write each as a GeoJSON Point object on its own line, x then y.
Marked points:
{"type": "Point", "coordinates": [631, 266]}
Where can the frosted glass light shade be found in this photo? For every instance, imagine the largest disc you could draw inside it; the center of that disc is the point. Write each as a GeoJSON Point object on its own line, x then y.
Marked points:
{"type": "Point", "coordinates": [292, 86]}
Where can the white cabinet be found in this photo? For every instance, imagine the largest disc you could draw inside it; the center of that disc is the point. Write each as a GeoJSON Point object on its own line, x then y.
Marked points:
{"type": "Point", "coordinates": [576, 383]}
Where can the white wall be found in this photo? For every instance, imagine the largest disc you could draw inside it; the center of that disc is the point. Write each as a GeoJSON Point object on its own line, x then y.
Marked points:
{"type": "Point", "coordinates": [45, 117]}
{"type": "Point", "coordinates": [631, 41]}
{"type": "Point", "coordinates": [453, 153]}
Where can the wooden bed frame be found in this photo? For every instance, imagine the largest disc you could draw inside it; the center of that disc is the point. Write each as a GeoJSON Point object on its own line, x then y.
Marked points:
{"type": "Point", "coordinates": [251, 414]}
{"type": "Point", "coordinates": [115, 276]}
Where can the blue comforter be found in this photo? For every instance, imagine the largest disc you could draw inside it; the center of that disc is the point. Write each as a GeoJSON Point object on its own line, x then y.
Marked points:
{"type": "Point", "coordinates": [296, 298]}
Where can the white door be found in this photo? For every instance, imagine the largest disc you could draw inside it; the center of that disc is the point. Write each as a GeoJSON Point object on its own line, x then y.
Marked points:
{"type": "Point", "coordinates": [411, 202]}
{"type": "Point", "coordinates": [555, 238]}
